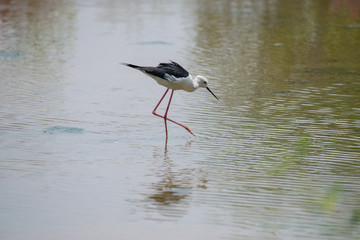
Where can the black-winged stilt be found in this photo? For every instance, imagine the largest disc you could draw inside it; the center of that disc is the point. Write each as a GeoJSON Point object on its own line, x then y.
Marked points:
{"type": "Point", "coordinates": [173, 76]}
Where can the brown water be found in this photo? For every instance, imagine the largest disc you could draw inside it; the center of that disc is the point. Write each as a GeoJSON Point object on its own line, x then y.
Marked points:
{"type": "Point", "coordinates": [82, 157]}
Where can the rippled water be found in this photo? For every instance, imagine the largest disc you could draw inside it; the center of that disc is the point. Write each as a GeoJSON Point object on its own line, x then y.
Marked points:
{"type": "Point", "coordinates": [82, 157]}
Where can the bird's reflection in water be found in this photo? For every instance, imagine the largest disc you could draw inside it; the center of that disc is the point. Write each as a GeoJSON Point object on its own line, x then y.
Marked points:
{"type": "Point", "coordinates": [172, 187]}
{"type": "Point", "coordinates": [168, 193]}
{"type": "Point", "coordinates": [175, 184]}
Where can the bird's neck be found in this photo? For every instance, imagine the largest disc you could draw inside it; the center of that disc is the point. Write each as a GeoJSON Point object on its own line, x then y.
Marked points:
{"type": "Point", "coordinates": [196, 83]}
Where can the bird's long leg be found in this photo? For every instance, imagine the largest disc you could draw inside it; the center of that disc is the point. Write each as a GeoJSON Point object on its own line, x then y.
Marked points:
{"type": "Point", "coordinates": [167, 109]}
{"type": "Point", "coordinates": [154, 111]}
{"type": "Point", "coordinates": [166, 112]}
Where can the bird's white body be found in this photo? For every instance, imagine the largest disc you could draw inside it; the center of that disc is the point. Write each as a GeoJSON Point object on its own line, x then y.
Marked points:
{"type": "Point", "coordinates": [188, 84]}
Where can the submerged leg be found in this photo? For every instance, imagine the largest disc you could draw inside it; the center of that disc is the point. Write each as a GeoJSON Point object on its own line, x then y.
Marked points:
{"type": "Point", "coordinates": [167, 109]}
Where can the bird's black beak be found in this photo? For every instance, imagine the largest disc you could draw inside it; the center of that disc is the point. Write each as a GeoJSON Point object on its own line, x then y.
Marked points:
{"type": "Point", "coordinates": [212, 92]}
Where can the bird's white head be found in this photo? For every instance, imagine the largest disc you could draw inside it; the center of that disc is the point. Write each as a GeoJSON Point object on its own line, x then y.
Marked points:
{"type": "Point", "coordinates": [202, 81]}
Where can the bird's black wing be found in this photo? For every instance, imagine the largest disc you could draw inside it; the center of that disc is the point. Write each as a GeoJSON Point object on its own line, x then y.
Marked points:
{"type": "Point", "coordinates": [173, 69]}
{"type": "Point", "coordinates": [164, 70]}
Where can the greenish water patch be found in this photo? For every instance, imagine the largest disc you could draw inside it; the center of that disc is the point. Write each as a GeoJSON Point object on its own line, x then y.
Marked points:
{"type": "Point", "coordinates": [331, 198]}
{"type": "Point", "coordinates": [64, 129]}
{"type": "Point", "coordinates": [352, 26]}
{"type": "Point", "coordinates": [4, 54]}
{"type": "Point", "coordinates": [293, 157]}
{"type": "Point", "coordinates": [355, 217]}
{"type": "Point", "coordinates": [180, 191]}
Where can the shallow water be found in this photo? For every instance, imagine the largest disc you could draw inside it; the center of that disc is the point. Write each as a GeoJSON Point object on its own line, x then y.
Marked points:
{"type": "Point", "coordinates": [82, 157]}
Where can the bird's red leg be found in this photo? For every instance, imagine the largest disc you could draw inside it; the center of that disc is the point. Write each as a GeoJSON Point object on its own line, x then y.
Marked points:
{"type": "Point", "coordinates": [154, 111]}
{"type": "Point", "coordinates": [167, 109]}
{"type": "Point", "coordinates": [166, 112]}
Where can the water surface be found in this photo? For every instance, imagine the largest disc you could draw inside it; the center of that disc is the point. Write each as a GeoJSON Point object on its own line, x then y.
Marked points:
{"type": "Point", "coordinates": [82, 157]}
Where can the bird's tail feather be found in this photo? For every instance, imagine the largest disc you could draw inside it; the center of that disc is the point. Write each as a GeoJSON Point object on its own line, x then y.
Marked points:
{"type": "Point", "coordinates": [131, 65]}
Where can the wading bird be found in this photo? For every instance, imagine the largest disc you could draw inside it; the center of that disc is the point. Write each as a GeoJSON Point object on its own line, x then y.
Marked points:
{"type": "Point", "coordinates": [173, 76]}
